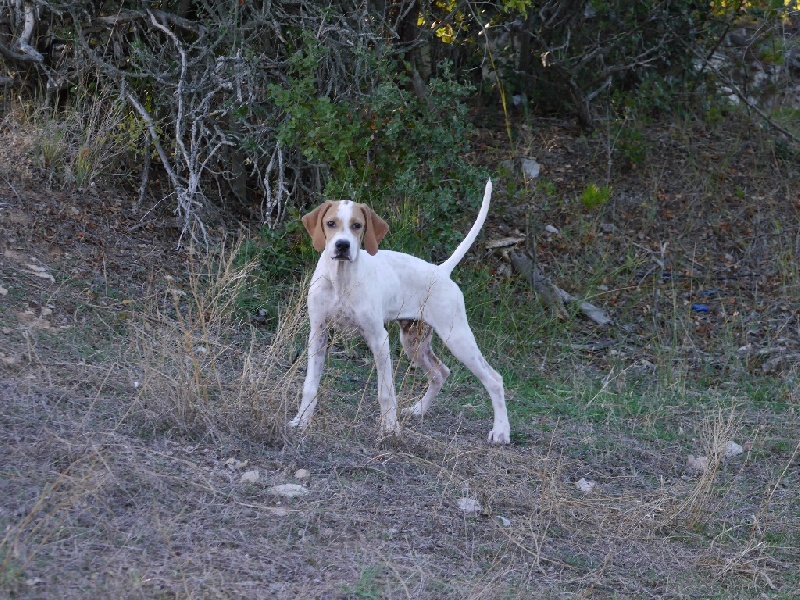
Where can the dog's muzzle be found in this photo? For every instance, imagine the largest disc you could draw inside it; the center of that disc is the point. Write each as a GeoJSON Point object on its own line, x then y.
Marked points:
{"type": "Point", "coordinates": [341, 250]}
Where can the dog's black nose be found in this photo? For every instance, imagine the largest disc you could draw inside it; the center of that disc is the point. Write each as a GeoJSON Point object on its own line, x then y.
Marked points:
{"type": "Point", "coordinates": [342, 246]}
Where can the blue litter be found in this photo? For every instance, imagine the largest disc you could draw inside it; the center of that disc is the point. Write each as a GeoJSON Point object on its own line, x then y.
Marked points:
{"type": "Point", "coordinates": [700, 307]}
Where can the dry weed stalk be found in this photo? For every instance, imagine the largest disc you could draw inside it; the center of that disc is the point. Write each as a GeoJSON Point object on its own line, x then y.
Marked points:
{"type": "Point", "coordinates": [716, 431]}
{"type": "Point", "coordinates": [547, 508]}
{"type": "Point", "coordinates": [749, 560]}
{"type": "Point", "coordinates": [752, 557]}
{"type": "Point", "coordinates": [551, 502]}
{"type": "Point", "coordinates": [83, 143]}
{"type": "Point", "coordinates": [203, 372]}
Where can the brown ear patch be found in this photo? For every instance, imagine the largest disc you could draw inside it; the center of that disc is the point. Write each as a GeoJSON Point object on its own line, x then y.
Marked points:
{"type": "Point", "coordinates": [313, 224]}
{"type": "Point", "coordinates": [375, 230]}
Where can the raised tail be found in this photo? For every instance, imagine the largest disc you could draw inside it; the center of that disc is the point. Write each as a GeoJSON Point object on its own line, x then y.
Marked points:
{"type": "Point", "coordinates": [465, 244]}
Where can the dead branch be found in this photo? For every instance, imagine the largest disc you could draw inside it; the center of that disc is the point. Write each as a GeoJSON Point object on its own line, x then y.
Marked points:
{"type": "Point", "coordinates": [551, 294]}
{"type": "Point", "coordinates": [148, 119]}
{"type": "Point", "coordinates": [15, 56]}
{"type": "Point", "coordinates": [27, 53]}
{"type": "Point", "coordinates": [274, 206]}
{"type": "Point", "coordinates": [24, 41]}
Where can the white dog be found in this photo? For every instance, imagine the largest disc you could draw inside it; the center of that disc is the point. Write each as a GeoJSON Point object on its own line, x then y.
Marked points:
{"type": "Point", "coordinates": [359, 290]}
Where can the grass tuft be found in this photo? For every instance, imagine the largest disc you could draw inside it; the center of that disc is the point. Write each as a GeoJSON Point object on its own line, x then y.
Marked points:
{"type": "Point", "coordinates": [204, 371]}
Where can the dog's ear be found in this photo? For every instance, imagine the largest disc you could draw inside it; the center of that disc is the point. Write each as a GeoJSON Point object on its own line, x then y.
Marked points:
{"type": "Point", "coordinates": [313, 224]}
{"type": "Point", "coordinates": [374, 231]}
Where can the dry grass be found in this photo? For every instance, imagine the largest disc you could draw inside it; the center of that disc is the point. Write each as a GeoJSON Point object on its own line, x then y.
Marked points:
{"type": "Point", "coordinates": [169, 515]}
{"type": "Point", "coordinates": [200, 371]}
{"type": "Point", "coordinates": [717, 431]}
{"type": "Point", "coordinates": [80, 146]}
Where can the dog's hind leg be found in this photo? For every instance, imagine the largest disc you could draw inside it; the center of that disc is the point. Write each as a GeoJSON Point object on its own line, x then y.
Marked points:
{"type": "Point", "coordinates": [459, 339]}
{"type": "Point", "coordinates": [417, 338]}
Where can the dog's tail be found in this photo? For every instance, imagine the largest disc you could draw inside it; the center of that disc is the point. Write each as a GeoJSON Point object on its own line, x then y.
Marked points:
{"type": "Point", "coordinates": [465, 244]}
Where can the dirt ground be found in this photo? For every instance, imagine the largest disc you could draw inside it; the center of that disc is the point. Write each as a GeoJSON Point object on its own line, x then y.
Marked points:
{"type": "Point", "coordinates": [98, 500]}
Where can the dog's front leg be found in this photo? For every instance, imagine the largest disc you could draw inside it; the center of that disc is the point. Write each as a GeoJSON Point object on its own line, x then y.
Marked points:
{"type": "Point", "coordinates": [317, 346]}
{"type": "Point", "coordinates": [378, 342]}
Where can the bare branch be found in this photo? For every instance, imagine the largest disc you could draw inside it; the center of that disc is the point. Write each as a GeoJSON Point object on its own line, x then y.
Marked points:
{"type": "Point", "coordinates": [551, 294]}
{"type": "Point", "coordinates": [148, 119]}
{"type": "Point", "coordinates": [16, 56]}
{"type": "Point", "coordinates": [24, 41]}
{"type": "Point", "coordinates": [274, 206]}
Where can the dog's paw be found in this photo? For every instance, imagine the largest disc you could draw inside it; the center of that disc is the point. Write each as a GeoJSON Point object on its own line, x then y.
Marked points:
{"type": "Point", "coordinates": [390, 435]}
{"type": "Point", "coordinates": [298, 423]}
{"type": "Point", "coordinates": [500, 435]}
{"type": "Point", "coordinates": [414, 411]}
{"type": "Point", "coordinates": [390, 427]}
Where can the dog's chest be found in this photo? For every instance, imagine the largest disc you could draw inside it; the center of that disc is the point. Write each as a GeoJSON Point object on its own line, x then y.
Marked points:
{"type": "Point", "coordinates": [343, 316]}
{"type": "Point", "coordinates": [342, 309]}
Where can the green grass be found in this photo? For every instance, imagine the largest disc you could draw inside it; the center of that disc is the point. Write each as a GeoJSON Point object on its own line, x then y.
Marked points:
{"type": "Point", "coordinates": [654, 404]}
{"type": "Point", "coordinates": [368, 585]}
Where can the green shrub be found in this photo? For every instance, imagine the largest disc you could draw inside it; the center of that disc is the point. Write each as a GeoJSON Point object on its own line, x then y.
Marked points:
{"type": "Point", "coordinates": [385, 146]}
{"type": "Point", "coordinates": [595, 196]}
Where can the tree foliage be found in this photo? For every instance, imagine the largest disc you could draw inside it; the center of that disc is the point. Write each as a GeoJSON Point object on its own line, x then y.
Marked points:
{"type": "Point", "coordinates": [264, 105]}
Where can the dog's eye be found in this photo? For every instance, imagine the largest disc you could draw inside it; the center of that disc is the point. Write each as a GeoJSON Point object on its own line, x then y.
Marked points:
{"type": "Point", "coordinates": [356, 225]}
{"type": "Point", "coordinates": [331, 223]}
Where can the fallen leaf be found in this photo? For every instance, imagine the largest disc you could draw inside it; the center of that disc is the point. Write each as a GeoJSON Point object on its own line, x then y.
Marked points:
{"type": "Point", "coordinates": [3, 291]}
{"type": "Point", "coordinates": [302, 474]}
{"type": "Point", "coordinates": [585, 485]}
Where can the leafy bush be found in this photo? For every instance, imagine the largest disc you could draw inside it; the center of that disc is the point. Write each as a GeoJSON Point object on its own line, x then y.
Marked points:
{"type": "Point", "coordinates": [565, 55]}
{"type": "Point", "coordinates": [385, 146]}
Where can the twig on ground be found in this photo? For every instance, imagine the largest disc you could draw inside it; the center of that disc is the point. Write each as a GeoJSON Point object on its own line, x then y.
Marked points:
{"type": "Point", "coordinates": [551, 294]}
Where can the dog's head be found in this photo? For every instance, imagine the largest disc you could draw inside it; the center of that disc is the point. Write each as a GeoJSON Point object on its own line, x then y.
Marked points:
{"type": "Point", "coordinates": [339, 227]}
